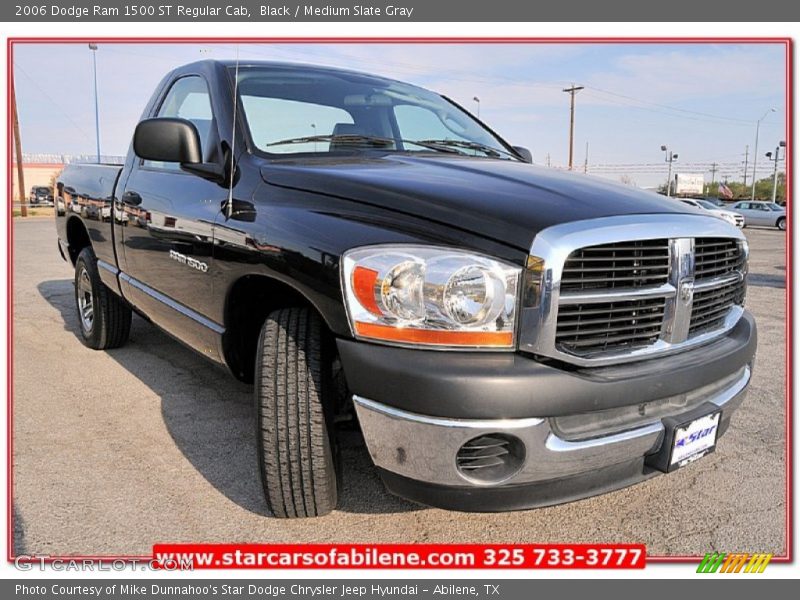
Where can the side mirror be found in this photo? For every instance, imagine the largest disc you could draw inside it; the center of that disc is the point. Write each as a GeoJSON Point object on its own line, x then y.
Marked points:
{"type": "Point", "coordinates": [524, 153]}
{"type": "Point", "coordinates": [167, 139]}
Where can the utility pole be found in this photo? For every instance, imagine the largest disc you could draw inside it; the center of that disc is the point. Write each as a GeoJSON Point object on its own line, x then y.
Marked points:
{"type": "Point", "coordinates": [746, 156]}
{"type": "Point", "coordinates": [713, 172]}
{"type": "Point", "coordinates": [586, 159]}
{"type": "Point", "coordinates": [572, 91]}
{"type": "Point", "coordinates": [548, 159]}
{"type": "Point", "coordinates": [23, 209]}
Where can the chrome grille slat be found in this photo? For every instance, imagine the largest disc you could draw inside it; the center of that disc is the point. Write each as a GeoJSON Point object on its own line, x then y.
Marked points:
{"type": "Point", "coordinates": [585, 322]}
{"type": "Point", "coordinates": [620, 259]}
{"type": "Point", "coordinates": [661, 277]}
{"type": "Point", "coordinates": [605, 269]}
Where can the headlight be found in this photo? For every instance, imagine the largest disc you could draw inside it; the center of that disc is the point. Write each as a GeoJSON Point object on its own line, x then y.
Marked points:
{"type": "Point", "coordinates": [423, 295]}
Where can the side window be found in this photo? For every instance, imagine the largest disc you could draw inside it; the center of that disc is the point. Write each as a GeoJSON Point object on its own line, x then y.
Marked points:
{"type": "Point", "coordinates": [188, 98]}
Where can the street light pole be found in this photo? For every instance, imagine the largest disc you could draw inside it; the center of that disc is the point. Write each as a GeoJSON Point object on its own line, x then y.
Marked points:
{"type": "Point", "coordinates": [669, 157]}
{"type": "Point", "coordinates": [782, 144]}
{"type": "Point", "coordinates": [93, 48]}
{"type": "Point", "coordinates": [755, 153]}
{"type": "Point", "coordinates": [478, 102]}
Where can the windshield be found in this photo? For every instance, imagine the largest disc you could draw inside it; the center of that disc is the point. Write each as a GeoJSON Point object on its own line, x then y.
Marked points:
{"type": "Point", "coordinates": [294, 110]}
{"type": "Point", "coordinates": [707, 204]}
{"type": "Point", "coordinates": [774, 206]}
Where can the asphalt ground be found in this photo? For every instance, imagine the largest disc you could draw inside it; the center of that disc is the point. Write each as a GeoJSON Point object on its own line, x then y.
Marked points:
{"type": "Point", "coordinates": [114, 451]}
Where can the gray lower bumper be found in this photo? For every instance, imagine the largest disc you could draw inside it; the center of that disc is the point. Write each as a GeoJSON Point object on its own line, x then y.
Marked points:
{"type": "Point", "coordinates": [424, 448]}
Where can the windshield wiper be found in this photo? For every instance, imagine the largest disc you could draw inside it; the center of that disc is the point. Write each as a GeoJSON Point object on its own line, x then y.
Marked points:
{"type": "Point", "coordinates": [357, 139]}
{"type": "Point", "coordinates": [467, 145]}
{"type": "Point", "coordinates": [346, 138]}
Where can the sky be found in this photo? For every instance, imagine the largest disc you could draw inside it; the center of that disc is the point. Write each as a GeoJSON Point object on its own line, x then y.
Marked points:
{"type": "Point", "coordinates": [701, 100]}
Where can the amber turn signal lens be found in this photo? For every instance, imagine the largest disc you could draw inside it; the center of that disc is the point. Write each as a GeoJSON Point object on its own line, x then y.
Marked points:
{"type": "Point", "coordinates": [364, 282]}
{"type": "Point", "coordinates": [411, 335]}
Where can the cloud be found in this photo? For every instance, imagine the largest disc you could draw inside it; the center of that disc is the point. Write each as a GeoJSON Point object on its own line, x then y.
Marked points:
{"type": "Point", "coordinates": [688, 74]}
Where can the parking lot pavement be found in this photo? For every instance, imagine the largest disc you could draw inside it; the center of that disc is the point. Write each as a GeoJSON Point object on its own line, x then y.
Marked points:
{"type": "Point", "coordinates": [114, 451]}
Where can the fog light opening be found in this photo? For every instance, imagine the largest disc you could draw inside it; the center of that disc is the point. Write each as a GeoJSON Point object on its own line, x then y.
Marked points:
{"type": "Point", "coordinates": [490, 458]}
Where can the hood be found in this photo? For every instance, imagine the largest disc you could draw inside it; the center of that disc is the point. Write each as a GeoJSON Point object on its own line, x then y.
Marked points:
{"type": "Point", "coordinates": [506, 201]}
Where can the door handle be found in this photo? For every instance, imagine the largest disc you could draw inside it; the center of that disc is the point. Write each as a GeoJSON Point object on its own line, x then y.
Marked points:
{"type": "Point", "coordinates": [131, 199]}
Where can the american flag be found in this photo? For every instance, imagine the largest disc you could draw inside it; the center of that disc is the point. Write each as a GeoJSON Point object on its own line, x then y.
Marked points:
{"type": "Point", "coordinates": [724, 191]}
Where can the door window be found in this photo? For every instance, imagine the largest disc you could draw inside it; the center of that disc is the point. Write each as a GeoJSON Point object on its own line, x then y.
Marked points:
{"type": "Point", "coordinates": [188, 98]}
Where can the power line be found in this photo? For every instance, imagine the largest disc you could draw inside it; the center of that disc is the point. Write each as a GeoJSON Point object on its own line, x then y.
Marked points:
{"type": "Point", "coordinates": [53, 102]}
{"type": "Point", "coordinates": [668, 107]}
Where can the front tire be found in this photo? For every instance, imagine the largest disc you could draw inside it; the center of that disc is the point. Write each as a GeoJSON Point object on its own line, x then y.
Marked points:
{"type": "Point", "coordinates": [781, 224]}
{"type": "Point", "coordinates": [104, 318]}
{"type": "Point", "coordinates": [296, 448]}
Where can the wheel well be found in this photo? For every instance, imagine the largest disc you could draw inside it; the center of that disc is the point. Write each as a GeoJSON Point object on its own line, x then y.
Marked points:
{"type": "Point", "coordinates": [77, 238]}
{"type": "Point", "coordinates": [249, 302]}
{"type": "Point", "coordinates": [777, 223]}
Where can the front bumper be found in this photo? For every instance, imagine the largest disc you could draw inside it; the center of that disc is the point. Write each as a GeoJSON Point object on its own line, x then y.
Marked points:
{"type": "Point", "coordinates": [583, 448]}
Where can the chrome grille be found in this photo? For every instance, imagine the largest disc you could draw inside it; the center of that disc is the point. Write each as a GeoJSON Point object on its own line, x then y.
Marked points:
{"type": "Point", "coordinates": [625, 264]}
{"type": "Point", "coordinates": [616, 289]}
{"type": "Point", "coordinates": [715, 257]}
{"type": "Point", "coordinates": [588, 328]}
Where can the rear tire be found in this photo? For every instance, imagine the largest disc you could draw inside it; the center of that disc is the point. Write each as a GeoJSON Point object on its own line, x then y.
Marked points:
{"type": "Point", "coordinates": [296, 449]}
{"type": "Point", "coordinates": [781, 224]}
{"type": "Point", "coordinates": [104, 318]}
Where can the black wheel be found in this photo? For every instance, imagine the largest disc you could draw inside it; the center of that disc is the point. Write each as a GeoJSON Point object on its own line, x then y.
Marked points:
{"type": "Point", "coordinates": [294, 425]}
{"type": "Point", "coordinates": [104, 318]}
{"type": "Point", "coordinates": [781, 224]}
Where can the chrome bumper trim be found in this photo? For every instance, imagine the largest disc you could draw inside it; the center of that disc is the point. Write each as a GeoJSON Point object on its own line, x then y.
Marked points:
{"type": "Point", "coordinates": [424, 448]}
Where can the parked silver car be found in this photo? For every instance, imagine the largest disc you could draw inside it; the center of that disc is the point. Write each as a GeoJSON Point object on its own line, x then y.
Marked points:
{"type": "Point", "coordinates": [762, 213]}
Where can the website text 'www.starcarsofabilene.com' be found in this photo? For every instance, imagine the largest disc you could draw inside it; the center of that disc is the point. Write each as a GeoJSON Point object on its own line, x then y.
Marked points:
{"type": "Point", "coordinates": [400, 556]}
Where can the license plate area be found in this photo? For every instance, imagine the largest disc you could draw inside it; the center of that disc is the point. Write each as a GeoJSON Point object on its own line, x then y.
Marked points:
{"type": "Point", "coordinates": [687, 438]}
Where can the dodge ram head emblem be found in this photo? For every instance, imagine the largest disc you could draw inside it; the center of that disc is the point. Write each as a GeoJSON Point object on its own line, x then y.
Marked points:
{"type": "Point", "coordinates": [687, 291]}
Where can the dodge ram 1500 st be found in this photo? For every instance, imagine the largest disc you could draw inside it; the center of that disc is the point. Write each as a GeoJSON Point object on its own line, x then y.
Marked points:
{"type": "Point", "coordinates": [506, 336]}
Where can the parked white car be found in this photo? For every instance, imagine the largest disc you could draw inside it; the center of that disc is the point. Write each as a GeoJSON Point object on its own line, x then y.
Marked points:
{"type": "Point", "coordinates": [734, 218]}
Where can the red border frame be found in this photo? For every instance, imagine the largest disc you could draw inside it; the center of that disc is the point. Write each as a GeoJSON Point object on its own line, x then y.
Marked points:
{"type": "Point", "coordinates": [787, 42]}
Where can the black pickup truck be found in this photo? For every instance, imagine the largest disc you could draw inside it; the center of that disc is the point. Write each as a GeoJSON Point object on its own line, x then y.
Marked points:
{"type": "Point", "coordinates": [360, 249]}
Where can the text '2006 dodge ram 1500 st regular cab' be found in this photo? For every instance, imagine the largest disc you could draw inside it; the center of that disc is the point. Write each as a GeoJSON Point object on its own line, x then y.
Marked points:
{"type": "Point", "coordinates": [507, 336]}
